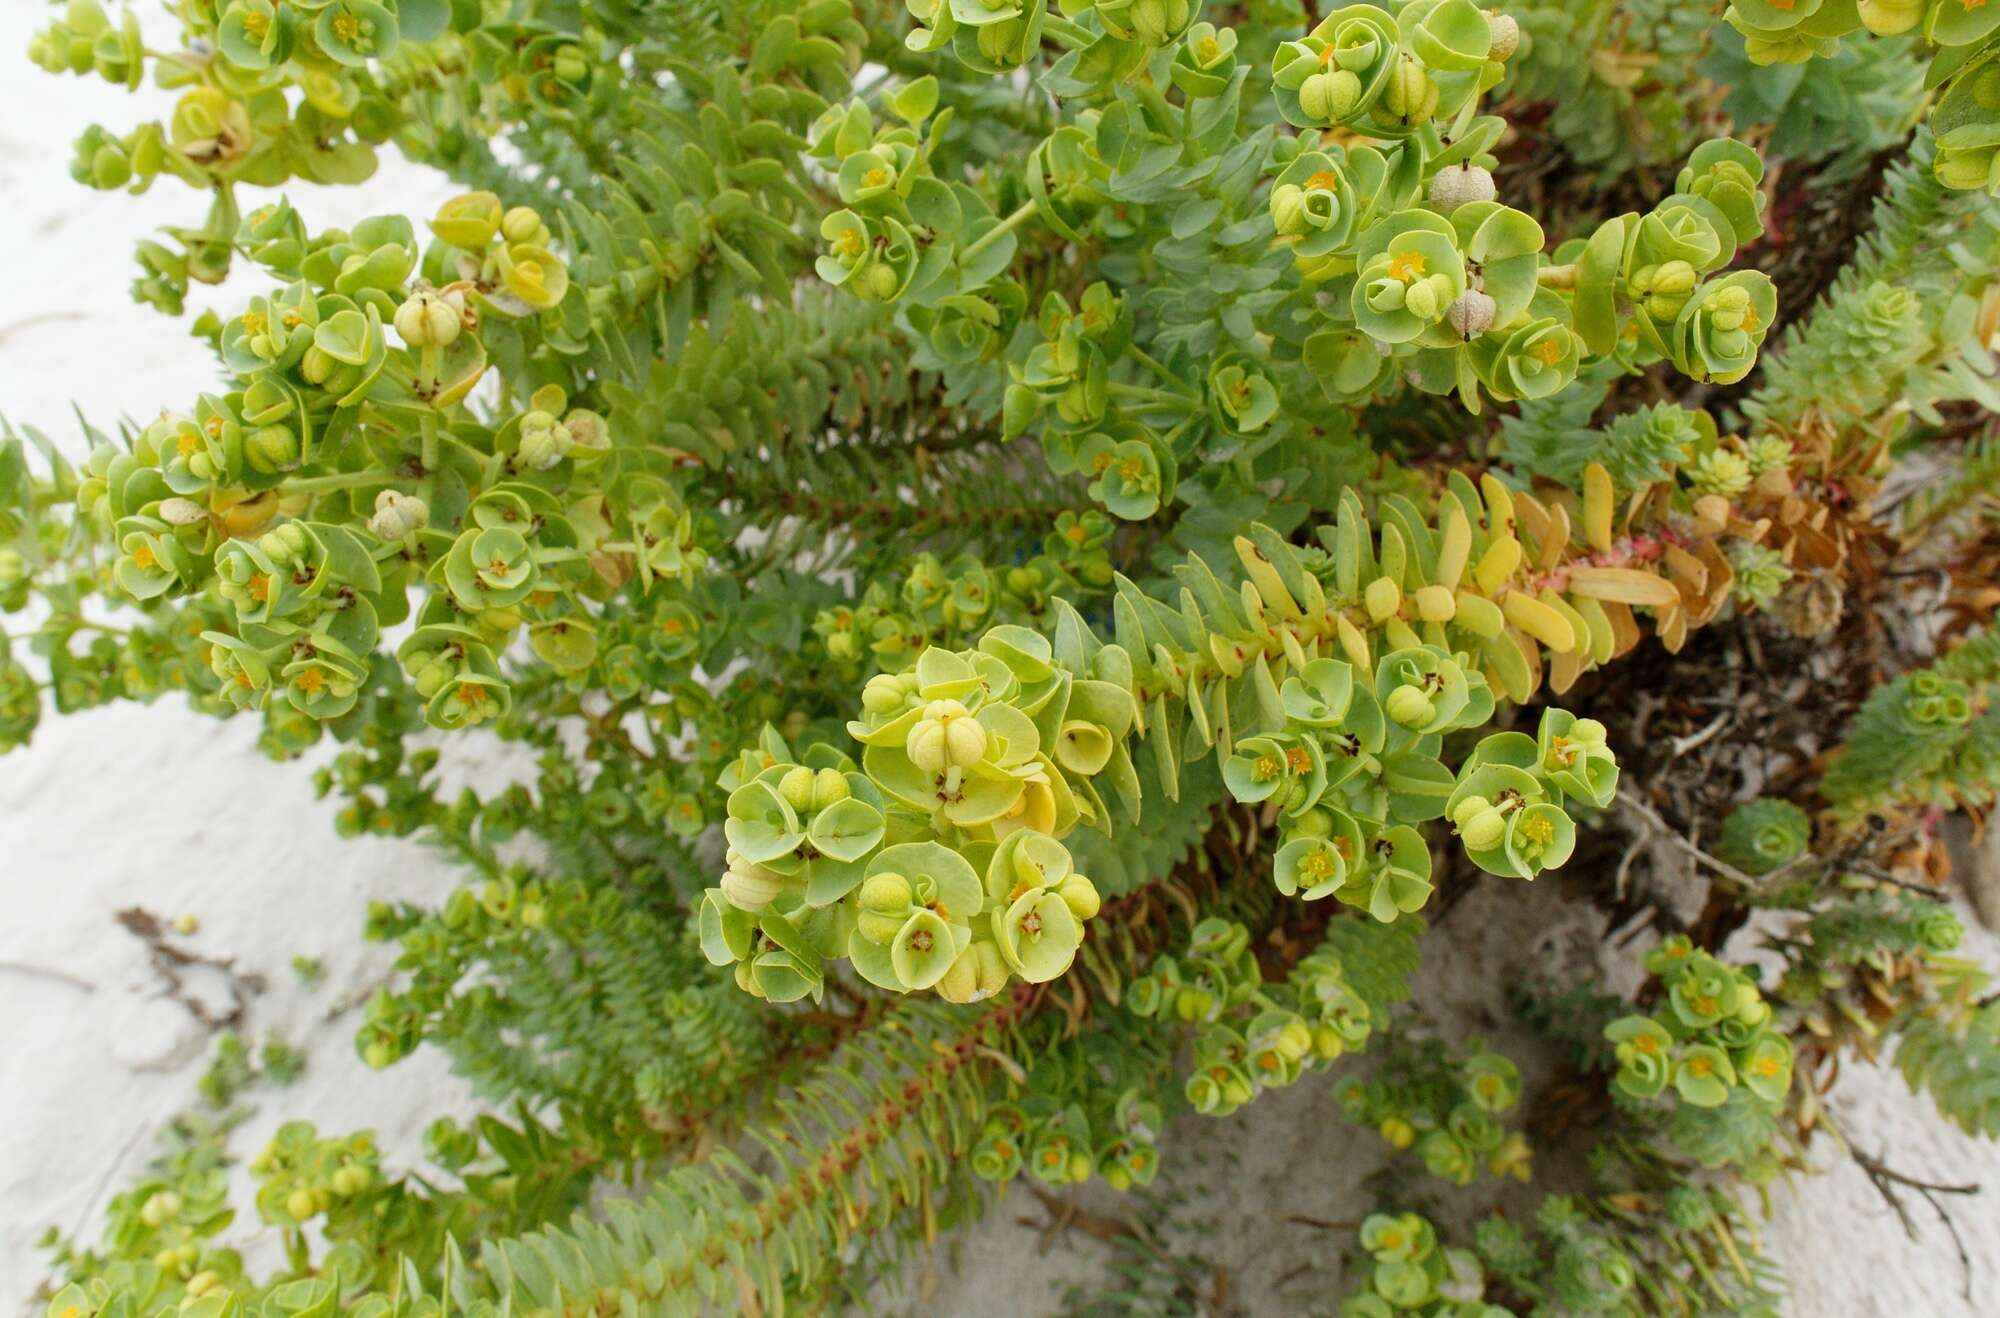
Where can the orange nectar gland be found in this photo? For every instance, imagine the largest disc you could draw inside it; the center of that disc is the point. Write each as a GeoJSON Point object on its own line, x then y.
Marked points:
{"type": "Point", "coordinates": [259, 587]}
{"type": "Point", "coordinates": [1406, 266]}
{"type": "Point", "coordinates": [1131, 469]}
{"type": "Point", "coordinates": [1646, 1044]}
{"type": "Point", "coordinates": [1324, 181]}
{"type": "Point", "coordinates": [1701, 1067]}
{"type": "Point", "coordinates": [187, 444]}
{"type": "Point", "coordinates": [1560, 752]}
{"type": "Point", "coordinates": [1538, 831]}
{"type": "Point", "coordinates": [311, 681]}
{"type": "Point", "coordinates": [1549, 350]}
{"type": "Point", "coordinates": [1766, 1066]}
{"type": "Point", "coordinates": [1266, 768]}
{"type": "Point", "coordinates": [1099, 464]}
{"type": "Point", "coordinates": [142, 557]}
{"type": "Point", "coordinates": [877, 177]}
{"type": "Point", "coordinates": [1317, 866]}
{"type": "Point", "coordinates": [470, 694]}
{"type": "Point", "coordinates": [1075, 533]}
{"type": "Point", "coordinates": [1297, 760]}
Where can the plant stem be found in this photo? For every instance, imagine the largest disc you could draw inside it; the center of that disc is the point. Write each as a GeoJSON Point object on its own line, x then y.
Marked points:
{"type": "Point", "coordinates": [343, 480]}
{"type": "Point", "coordinates": [994, 234]}
{"type": "Point", "coordinates": [1159, 368]}
{"type": "Point", "coordinates": [1146, 394]}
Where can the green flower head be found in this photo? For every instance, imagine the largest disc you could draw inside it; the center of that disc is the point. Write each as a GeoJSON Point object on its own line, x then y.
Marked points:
{"type": "Point", "coordinates": [1704, 1075]}
{"type": "Point", "coordinates": [1205, 61]}
{"type": "Point", "coordinates": [1411, 274]}
{"type": "Point", "coordinates": [1573, 756]}
{"type": "Point", "coordinates": [1241, 400]}
{"type": "Point", "coordinates": [1718, 332]}
{"type": "Point", "coordinates": [1704, 992]}
{"type": "Point", "coordinates": [1318, 695]}
{"type": "Point", "coordinates": [1533, 358]}
{"type": "Point", "coordinates": [1766, 1067]}
{"type": "Point", "coordinates": [1258, 769]}
{"type": "Point", "coordinates": [1645, 1055]}
{"type": "Point", "coordinates": [1446, 1157]}
{"type": "Point", "coordinates": [1129, 482]}
{"type": "Point", "coordinates": [1338, 71]}
{"type": "Point", "coordinates": [1493, 1081]}
{"type": "Point", "coordinates": [1397, 1237]}
{"type": "Point", "coordinates": [1399, 874]}
{"type": "Point", "coordinates": [1423, 691]}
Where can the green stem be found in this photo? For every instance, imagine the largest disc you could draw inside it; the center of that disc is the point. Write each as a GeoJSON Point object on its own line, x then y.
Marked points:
{"type": "Point", "coordinates": [344, 480]}
{"type": "Point", "coordinates": [1159, 368]}
{"type": "Point", "coordinates": [430, 452]}
{"type": "Point", "coordinates": [993, 235]}
{"type": "Point", "coordinates": [1155, 100]}
{"type": "Point", "coordinates": [1146, 394]}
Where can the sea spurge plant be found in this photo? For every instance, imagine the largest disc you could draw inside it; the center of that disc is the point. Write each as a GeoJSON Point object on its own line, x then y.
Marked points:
{"type": "Point", "coordinates": [1250, 1034]}
{"type": "Point", "coordinates": [1445, 1108]}
{"type": "Point", "coordinates": [1711, 1036]}
{"type": "Point", "coordinates": [682, 451]}
{"type": "Point", "coordinates": [1406, 1269]}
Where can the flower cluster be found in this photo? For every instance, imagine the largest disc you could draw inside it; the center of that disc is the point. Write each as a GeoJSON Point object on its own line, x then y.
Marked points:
{"type": "Point", "coordinates": [1445, 1106]}
{"type": "Point", "coordinates": [1251, 1035]}
{"type": "Point", "coordinates": [1712, 1035]}
{"type": "Point", "coordinates": [939, 863]}
{"type": "Point", "coordinates": [1408, 1271]}
{"type": "Point", "coordinates": [949, 604]}
{"type": "Point", "coordinates": [1357, 765]}
{"type": "Point", "coordinates": [1965, 113]}
{"type": "Point", "coordinates": [1406, 266]}
{"type": "Point", "coordinates": [1062, 1145]}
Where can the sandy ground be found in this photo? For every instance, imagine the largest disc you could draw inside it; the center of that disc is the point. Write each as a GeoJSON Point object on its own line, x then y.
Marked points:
{"type": "Point", "coordinates": [160, 808]}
